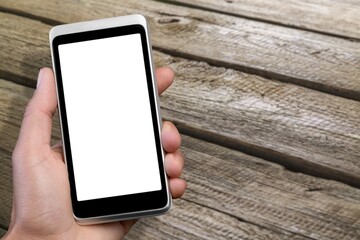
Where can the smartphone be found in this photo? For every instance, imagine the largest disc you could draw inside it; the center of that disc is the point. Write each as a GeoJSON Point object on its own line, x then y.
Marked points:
{"type": "Point", "coordinates": [110, 119]}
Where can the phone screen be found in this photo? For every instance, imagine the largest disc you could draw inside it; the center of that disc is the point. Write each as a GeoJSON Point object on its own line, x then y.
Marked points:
{"type": "Point", "coordinates": [109, 117]}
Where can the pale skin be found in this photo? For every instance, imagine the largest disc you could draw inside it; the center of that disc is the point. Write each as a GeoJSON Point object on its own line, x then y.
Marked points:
{"type": "Point", "coordinates": [41, 202]}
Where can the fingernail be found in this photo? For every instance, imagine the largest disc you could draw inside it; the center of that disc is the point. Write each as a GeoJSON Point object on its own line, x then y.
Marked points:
{"type": "Point", "coordinates": [40, 77]}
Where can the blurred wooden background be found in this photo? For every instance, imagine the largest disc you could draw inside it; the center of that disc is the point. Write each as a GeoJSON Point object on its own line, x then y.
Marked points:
{"type": "Point", "coordinates": [266, 97]}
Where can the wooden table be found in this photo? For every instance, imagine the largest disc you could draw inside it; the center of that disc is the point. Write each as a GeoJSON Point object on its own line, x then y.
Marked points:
{"type": "Point", "coordinates": [266, 97]}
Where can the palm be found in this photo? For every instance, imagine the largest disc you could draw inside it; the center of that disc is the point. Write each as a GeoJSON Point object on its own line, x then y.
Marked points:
{"type": "Point", "coordinates": [51, 204]}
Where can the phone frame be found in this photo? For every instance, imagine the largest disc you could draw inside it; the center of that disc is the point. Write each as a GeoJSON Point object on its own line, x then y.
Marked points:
{"type": "Point", "coordinates": [126, 206]}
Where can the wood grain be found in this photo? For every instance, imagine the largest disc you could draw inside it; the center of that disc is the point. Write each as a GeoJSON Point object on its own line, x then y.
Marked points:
{"type": "Point", "coordinates": [325, 63]}
{"type": "Point", "coordinates": [24, 49]}
{"type": "Point", "coordinates": [338, 18]}
{"type": "Point", "coordinates": [299, 128]}
{"type": "Point", "coordinates": [206, 223]}
{"type": "Point", "coordinates": [230, 195]}
{"type": "Point", "coordinates": [256, 191]}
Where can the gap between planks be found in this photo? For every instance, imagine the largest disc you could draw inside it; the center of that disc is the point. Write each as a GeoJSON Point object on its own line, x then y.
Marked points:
{"type": "Point", "coordinates": [29, 15]}
{"type": "Point", "coordinates": [22, 80]}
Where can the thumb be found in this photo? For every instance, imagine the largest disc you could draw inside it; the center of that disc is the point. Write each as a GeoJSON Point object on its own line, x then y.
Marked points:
{"type": "Point", "coordinates": [36, 126]}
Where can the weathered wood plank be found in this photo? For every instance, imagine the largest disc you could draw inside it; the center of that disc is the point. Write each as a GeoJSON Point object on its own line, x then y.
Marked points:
{"type": "Point", "coordinates": [339, 18]}
{"type": "Point", "coordinates": [302, 129]}
{"type": "Point", "coordinates": [325, 63]}
{"type": "Point", "coordinates": [230, 194]}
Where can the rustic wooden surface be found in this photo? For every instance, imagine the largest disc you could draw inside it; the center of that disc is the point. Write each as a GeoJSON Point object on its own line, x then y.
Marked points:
{"type": "Point", "coordinates": [229, 97]}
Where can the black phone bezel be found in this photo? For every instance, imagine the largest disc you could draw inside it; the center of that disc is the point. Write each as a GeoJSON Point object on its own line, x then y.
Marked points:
{"type": "Point", "coordinates": [125, 204]}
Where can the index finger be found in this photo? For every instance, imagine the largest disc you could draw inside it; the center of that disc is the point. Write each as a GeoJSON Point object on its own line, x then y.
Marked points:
{"type": "Point", "coordinates": [164, 78]}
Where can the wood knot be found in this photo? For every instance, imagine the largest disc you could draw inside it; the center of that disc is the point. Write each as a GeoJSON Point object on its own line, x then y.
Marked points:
{"type": "Point", "coordinates": [314, 189]}
{"type": "Point", "coordinates": [168, 20]}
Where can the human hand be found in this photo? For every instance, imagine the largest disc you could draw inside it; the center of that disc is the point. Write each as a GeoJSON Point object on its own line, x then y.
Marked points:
{"type": "Point", "coordinates": [41, 201]}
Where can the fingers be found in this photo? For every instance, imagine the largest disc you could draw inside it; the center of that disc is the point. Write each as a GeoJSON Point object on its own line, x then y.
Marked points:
{"type": "Point", "coordinates": [164, 77]}
{"type": "Point", "coordinates": [174, 164]}
{"type": "Point", "coordinates": [174, 161]}
{"type": "Point", "coordinates": [177, 187]}
{"type": "Point", "coordinates": [36, 125]}
{"type": "Point", "coordinates": [170, 137]}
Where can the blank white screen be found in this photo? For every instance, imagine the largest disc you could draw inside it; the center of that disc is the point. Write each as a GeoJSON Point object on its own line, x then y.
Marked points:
{"type": "Point", "coordinates": [109, 117]}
